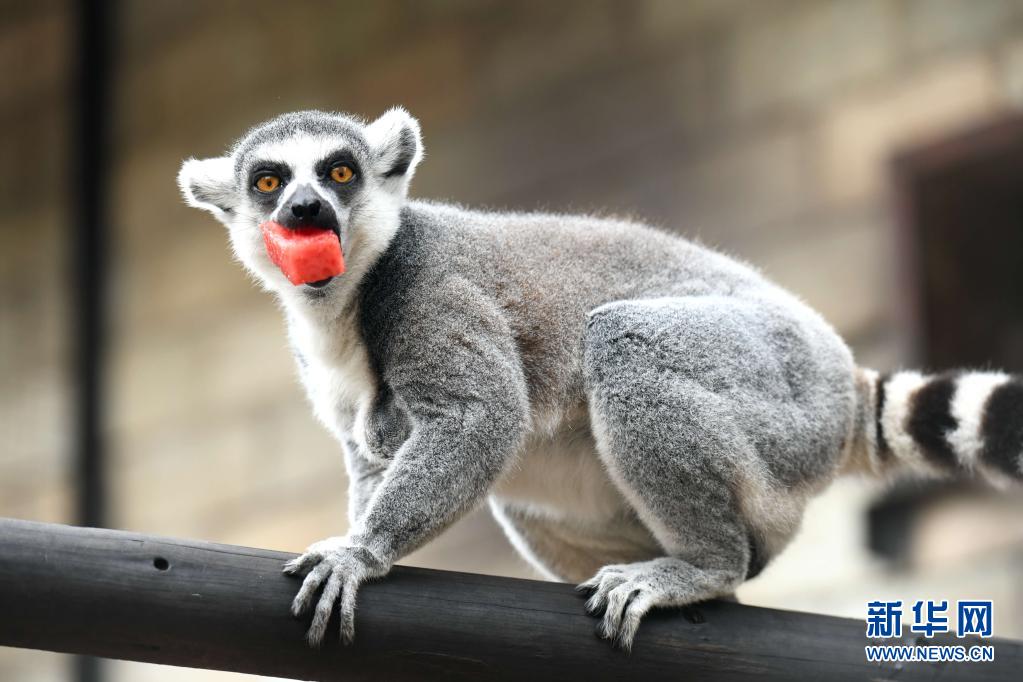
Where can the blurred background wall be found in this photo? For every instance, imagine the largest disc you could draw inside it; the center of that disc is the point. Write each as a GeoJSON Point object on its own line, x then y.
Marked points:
{"type": "Point", "coordinates": [766, 128]}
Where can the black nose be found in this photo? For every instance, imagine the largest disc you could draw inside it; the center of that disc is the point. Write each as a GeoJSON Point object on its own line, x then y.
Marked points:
{"type": "Point", "coordinates": [306, 209]}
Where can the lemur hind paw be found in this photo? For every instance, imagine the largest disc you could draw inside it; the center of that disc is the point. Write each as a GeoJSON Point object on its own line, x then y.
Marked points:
{"type": "Point", "coordinates": [623, 597]}
{"type": "Point", "coordinates": [340, 568]}
{"type": "Point", "coordinates": [624, 593]}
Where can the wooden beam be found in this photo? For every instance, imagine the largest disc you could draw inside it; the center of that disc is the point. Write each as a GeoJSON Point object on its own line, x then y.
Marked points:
{"type": "Point", "coordinates": [204, 605]}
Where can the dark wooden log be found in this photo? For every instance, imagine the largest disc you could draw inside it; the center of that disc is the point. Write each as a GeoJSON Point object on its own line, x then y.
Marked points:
{"type": "Point", "coordinates": [203, 605]}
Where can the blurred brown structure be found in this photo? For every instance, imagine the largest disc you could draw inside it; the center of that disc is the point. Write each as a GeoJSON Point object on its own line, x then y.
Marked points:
{"type": "Point", "coordinates": [762, 127]}
{"type": "Point", "coordinates": [962, 209]}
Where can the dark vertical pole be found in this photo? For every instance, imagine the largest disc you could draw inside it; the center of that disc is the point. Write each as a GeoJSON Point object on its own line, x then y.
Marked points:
{"type": "Point", "coordinates": [90, 164]}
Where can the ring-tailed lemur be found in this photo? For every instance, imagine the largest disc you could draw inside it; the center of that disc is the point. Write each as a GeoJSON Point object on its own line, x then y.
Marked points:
{"type": "Point", "coordinates": [640, 412]}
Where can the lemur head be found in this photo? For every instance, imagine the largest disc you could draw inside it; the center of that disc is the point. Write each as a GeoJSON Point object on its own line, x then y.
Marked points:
{"type": "Point", "coordinates": [310, 168]}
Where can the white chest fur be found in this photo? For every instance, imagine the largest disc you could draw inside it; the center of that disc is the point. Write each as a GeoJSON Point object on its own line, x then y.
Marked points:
{"type": "Point", "coordinates": [336, 375]}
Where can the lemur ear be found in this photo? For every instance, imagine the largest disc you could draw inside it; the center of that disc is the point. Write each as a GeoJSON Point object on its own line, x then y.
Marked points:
{"type": "Point", "coordinates": [209, 184]}
{"type": "Point", "coordinates": [396, 142]}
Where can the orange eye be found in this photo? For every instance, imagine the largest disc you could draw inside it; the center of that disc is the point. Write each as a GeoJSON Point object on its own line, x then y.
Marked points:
{"type": "Point", "coordinates": [268, 183]}
{"type": "Point", "coordinates": [341, 174]}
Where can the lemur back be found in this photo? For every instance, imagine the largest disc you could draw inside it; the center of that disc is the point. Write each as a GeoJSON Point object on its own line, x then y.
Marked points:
{"type": "Point", "coordinates": [547, 272]}
{"type": "Point", "coordinates": [637, 409]}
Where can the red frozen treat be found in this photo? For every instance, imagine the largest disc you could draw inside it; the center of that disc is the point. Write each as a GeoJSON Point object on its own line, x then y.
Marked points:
{"type": "Point", "coordinates": [304, 254]}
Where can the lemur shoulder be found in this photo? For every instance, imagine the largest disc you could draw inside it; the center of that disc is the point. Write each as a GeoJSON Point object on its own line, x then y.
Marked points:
{"type": "Point", "coordinates": [642, 414]}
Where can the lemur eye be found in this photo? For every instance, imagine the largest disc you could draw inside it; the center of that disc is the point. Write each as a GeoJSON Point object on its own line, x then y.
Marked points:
{"type": "Point", "coordinates": [342, 174]}
{"type": "Point", "coordinates": [268, 183]}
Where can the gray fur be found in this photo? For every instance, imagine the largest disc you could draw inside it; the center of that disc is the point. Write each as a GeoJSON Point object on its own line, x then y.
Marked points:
{"type": "Point", "coordinates": [346, 129]}
{"type": "Point", "coordinates": [640, 411]}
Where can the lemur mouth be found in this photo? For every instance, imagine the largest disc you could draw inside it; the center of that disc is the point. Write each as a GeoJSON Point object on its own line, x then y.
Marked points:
{"type": "Point", "coordinates": [306, 255]}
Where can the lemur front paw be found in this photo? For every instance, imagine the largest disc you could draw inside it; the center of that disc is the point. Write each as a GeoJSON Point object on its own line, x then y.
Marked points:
{"type": "Point", "coordinates": [340, 568]}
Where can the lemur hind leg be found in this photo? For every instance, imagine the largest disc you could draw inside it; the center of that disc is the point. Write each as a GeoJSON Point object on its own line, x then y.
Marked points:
{"type": "Point", "coordinates": [698, 413]}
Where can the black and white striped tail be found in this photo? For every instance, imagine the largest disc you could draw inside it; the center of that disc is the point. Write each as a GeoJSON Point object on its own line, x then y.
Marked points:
{"type": "Point", "coordinates": [956, 422]}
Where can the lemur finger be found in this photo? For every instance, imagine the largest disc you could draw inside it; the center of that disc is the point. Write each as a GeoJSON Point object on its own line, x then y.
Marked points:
{"type": "Point", "coordinates": [610, 581]}
{"type": "Point", "coordinates": [302, 564]}
{"type": "Point", "coordinates": [596, 603]}
{"type": "Point", "coordinates": [324, 607]}
{"type": "Point", "coordinates": [312, 582]}
{"type": "Point", "coordinates": [617, 601]}
{"type": "Point", "coordinates": [607, 582]}
{"type": "Point", "coordinates": [348, 611]}
{"type": "Point", "coordinates": [634, 613]}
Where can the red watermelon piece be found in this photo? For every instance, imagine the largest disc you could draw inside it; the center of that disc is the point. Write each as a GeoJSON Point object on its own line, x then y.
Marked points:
{"type": "Point", "coordinates": [304, 254]}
